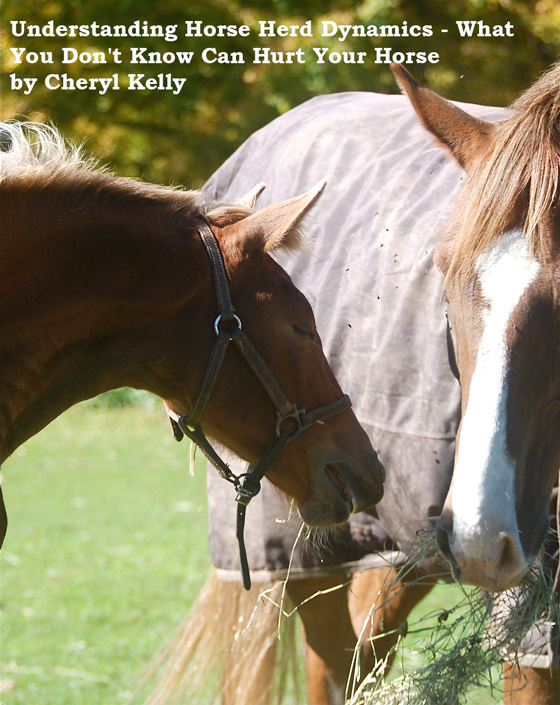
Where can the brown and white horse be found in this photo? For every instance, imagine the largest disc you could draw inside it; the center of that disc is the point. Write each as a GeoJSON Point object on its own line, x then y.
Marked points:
{"type": "Point", "coordinates": [105, 282]}
{"type": "Point", "coordinates": [499, 254]}
{"type": "Point", "coordinates": [499, 257]}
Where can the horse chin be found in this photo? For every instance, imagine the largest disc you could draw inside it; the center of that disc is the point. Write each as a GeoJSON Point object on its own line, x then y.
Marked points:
{"type": "Point", "coordinates": [479, 578]}
{"type": "Point", "coordinates": [322, 513]}
{"type": "Point", "coordinates": [498, 583]}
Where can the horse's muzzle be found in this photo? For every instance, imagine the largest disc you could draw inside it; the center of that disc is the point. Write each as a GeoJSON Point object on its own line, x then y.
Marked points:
{"type": "Point", "coordinates": [345, 486]}
{"type": "Point", "coordinates": [495, 563]}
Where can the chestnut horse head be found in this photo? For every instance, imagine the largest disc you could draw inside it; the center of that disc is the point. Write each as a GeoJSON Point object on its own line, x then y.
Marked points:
{"type": "Point", "coordinates": [499, 254]}
{"type": "Point", "coordinates": [105, 282]}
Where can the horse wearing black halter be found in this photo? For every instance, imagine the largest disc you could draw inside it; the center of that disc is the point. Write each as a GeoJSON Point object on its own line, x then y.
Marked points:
{"type": "Point", "coordinates": [227, 328]}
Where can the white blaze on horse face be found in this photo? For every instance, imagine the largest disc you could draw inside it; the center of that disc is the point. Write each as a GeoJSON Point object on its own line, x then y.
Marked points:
{"type": "Point", "coordinates": [483, 501]}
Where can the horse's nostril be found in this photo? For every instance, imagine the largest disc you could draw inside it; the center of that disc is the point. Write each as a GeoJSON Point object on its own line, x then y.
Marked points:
{"type": "Point", "coordinates": [336, 476]}
{"type": "Point", "coordinates": [444, 527]}
{"type": "Point", "coordinates": [507, 559]}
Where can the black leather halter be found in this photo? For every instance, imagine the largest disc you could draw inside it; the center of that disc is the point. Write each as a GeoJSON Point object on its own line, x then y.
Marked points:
{"type": "Point", "coordinates": [227, 327]}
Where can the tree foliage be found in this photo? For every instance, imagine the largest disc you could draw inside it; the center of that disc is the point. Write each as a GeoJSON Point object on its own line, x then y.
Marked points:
{"type": "Point", "coordinates": [182, 138]}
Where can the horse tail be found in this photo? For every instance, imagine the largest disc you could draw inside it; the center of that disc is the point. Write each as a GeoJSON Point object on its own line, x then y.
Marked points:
{"type": "Point", "coordinates": [228, 650]}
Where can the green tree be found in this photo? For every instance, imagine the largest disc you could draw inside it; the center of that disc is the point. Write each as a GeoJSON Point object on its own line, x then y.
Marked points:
{"type": "Point", "coordinates": [182, 138]}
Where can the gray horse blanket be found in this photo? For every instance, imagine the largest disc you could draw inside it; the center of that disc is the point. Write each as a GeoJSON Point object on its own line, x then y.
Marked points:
{"type": "Point", "coordinates": [377, 298]}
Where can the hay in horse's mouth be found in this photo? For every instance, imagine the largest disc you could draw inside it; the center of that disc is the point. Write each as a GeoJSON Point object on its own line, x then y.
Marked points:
{"type": "Point", "coordinates": [336, 476]}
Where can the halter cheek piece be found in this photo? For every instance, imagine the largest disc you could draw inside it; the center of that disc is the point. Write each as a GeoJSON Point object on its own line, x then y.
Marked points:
{"type": "Point", "coordinates": [227, 327]}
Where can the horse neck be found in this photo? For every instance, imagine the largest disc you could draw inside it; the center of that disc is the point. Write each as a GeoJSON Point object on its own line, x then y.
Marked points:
{"type": "Point", "coordinates": [81, 293]}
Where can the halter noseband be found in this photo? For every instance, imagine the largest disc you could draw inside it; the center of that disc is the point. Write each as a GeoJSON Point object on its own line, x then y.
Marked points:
{"type": "Point", "coordinates": [227, 327]}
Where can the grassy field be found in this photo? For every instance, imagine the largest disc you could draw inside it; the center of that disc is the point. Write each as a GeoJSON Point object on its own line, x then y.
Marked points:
{"type": "Point", "coordinates": [106, 550]}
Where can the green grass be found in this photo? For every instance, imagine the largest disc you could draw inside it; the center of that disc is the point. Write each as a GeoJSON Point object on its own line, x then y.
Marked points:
{"type": "Point", "coordinates": [106, 550]}
{"type": "Point", "coordinates": [424, 618]}
{"type": "Point", "coordinates": [105, 553]}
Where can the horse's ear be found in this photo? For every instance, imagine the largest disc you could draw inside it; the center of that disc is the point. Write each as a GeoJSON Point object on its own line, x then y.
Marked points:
{"type": "Point", "coordinates": [276, 226]}
{"type": "Point", "coordinates": [462, 134]}
{"type": "Point", "coordinates": [250, 199]}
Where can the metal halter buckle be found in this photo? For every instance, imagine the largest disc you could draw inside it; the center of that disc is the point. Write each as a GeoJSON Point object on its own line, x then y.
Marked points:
{"type": "Point", "coordinates": [297, 415]}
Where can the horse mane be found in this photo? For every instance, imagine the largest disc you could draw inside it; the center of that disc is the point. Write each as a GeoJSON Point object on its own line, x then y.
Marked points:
{"type": "Point", "coordinates": [520, 174]}
{"type": "Point", "coordinates": [34, 155]}
{"type": "Point", "coordinates": [27, 148]}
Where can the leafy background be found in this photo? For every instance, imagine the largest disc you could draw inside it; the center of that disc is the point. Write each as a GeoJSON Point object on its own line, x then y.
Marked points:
{"type": "Point", "coordinates": [182, 139]}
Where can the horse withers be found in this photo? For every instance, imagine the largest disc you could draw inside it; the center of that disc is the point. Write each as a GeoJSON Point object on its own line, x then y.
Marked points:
{"type": "Point", "coordinates": [106, 282]}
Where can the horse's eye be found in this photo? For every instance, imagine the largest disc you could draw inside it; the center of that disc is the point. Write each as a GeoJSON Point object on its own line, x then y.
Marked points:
{"type": "Point", "coordinates": [304, 333]}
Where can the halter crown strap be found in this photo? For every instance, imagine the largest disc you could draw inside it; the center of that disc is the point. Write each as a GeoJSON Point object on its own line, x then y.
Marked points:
{"type": "Point", "coordinates": [218, 267]}
{"type": "Point", "coordinates": [248, 484]}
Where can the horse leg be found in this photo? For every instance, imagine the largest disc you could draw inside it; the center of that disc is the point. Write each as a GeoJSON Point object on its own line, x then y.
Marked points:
{"type": "Point", "coordinates": [329, 639]}
{"type": "Point", "coordinates": [393, 602]}
{"type": "Point", "coordinates": [331, 622]}
{"type": "Point", "coordinates": [531, 686]}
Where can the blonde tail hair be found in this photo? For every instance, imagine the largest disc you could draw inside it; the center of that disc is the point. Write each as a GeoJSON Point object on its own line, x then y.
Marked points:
{"type": "Point", "coordinates": [227, 650]}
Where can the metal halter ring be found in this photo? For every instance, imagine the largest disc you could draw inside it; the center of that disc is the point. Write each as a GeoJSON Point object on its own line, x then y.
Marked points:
{"type": "Point", "coordinates": [219, 318]}
{"type": "Point", "coordinates": [246, 494]}
{"type": "Point", "coordinates": [295, 414]}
